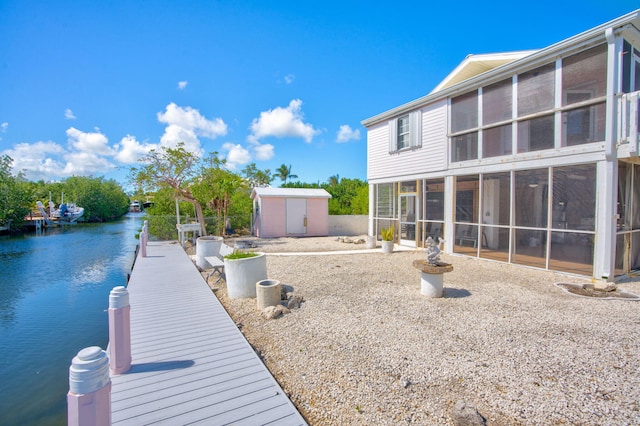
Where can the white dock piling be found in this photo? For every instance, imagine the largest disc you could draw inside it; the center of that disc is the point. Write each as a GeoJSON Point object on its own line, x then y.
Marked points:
{"type": "Point", "coordinates": [119, 330]}
{"type": "Point", "coordinates": [89, 397]}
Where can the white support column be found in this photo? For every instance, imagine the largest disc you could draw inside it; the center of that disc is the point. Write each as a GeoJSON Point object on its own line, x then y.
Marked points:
{"type": "Point", "coordinates": [449, 213]}
{"type": "Point", "coordinates": [372, 193]}
{"type": "Point", "coordinates": [607, 170]}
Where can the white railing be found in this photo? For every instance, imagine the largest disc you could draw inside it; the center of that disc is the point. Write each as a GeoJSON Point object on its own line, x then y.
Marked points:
{"type": "Point", "coordinates": [628, 109]}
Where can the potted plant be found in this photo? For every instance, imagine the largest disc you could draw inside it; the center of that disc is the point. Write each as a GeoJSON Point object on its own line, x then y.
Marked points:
{"type": "Point", "coordinates": [242, 271]}
{"type": "Point", "coordinates": [387, 239]}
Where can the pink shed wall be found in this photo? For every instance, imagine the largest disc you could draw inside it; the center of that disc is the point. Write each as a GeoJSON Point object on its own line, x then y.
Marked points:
{"type": "Point", "coordinates": [317, 217]}
{"type": "Point", "coordinates": [273, 217]}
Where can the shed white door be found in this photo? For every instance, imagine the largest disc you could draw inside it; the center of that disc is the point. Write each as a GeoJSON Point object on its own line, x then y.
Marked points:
{"type": "Point", "coordinates": [296, 216]}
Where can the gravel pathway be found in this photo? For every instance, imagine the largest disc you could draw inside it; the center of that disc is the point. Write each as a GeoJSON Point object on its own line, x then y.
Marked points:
{"type": "Point", "coordinates": [367, 348]}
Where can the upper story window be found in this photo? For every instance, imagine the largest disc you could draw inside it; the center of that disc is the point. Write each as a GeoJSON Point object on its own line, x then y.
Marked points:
{"type": "Point", "coordinates": [497, 102]}
{"type": "Point", "coordinates": [464, 126]}
{"type": "Point", "coordinates": [464, 112]}
{"type": "Point", "coordinates": [405, 132]}
{"type": "Point", "coordinates": [536, 90]}
{"type": "Point", "coordinates": [584, 77]}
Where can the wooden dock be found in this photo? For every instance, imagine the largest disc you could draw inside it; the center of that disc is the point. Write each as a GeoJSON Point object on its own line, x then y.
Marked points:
{"type": "Point", "coordinates": [191, 364]}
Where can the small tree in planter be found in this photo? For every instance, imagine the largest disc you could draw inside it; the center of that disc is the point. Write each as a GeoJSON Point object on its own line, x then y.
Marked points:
{"type": "Point", "coordinates": [242, 271]}
{"type": "Point", "coordinates": [387, 239]}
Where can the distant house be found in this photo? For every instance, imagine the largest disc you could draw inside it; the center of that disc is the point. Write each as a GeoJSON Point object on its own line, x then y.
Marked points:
{"type": "Point", "coordinates": [528, 158]}
{"type": "Point", "coordinates": [279, 212]}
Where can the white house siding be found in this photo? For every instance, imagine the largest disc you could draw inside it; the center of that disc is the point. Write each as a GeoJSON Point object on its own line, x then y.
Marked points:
{"type": "Point", "coordinates": [431, 157]}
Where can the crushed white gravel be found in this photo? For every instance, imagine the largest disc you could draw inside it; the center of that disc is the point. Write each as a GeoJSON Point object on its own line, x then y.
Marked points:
{"type": "Point", "coordinates": [366, 347]}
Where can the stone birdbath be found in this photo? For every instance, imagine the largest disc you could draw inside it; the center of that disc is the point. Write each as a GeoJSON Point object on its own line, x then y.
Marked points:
{"type": "Point", "coordinates": [432, 270]}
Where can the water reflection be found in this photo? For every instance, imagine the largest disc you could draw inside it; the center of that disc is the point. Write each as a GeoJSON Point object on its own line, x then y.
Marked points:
{"type": "Point", "coordinates": [54, 290]}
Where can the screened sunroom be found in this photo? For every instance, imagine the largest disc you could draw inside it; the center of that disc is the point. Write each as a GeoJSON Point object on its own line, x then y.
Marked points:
{"type": "Point", "coordinates": [534, 162]}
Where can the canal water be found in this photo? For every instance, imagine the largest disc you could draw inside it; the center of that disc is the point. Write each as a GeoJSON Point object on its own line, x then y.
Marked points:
{"type": "Point", "coordinates": [54, 295]}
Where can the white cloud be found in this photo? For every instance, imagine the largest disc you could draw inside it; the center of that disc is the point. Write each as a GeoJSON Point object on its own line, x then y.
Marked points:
{"type": "Point", "coordinates": [36, 159]}
{"type": "Point", "coordinates": [129, 150]}
{"type": "Point", "coordinates": [236, 155]}
{"type": "Point", "coordinates": [282, 122]}
{"type": "Point", "coordinates": [85, 163]}
{"type": "Point", "coordinates": [346, 134]}
{"type": "Point", "coordinates": [185, 124]}
{"type": "Point", "coordinates": [92, 142]}
{"type": "Point", "coordinates": [182, 84]}
{"type": "Point", "coordinates": [263, 152]}
{"type": "Point", "coordinates": [289, 78]}
{"type": "Point", "coordinates": [68, 114]}
{"type": "Point", "coordinates": [3, 127]}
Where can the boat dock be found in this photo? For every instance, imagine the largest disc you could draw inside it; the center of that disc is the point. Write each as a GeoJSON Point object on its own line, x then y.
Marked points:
{"type": "Point", "coordinates": [190, 363]}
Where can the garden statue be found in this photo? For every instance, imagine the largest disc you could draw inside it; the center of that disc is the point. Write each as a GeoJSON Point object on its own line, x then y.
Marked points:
{"type": "Point", "coordinates": [433, 251]}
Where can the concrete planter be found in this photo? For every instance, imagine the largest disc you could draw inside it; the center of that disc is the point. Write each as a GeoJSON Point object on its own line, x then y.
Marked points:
{"type": "Point", "coordinates": [371, 242]}
{"type": "Point", "coordinates": [243, 274]}
{"type": "Point", "coordinates": [432, 277]}
{"type": "Point", "coordinates": [207, 246]}
{"type": "Point", "coordinates": [387, 246]}
{"type": "Point", "coordinates": [267, 293]}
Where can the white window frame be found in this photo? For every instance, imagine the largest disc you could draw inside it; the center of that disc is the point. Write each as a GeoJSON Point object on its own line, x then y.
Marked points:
{"type": "Point", "coordinates": [414, 132]}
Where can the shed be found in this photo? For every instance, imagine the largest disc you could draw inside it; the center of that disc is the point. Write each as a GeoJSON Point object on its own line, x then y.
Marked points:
{"type": "Point", "coordinates": [279, 212]}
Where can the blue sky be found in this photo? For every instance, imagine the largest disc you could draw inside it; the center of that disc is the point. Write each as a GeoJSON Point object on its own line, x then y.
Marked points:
{"type": "Point", "coordinates": [86, 87]}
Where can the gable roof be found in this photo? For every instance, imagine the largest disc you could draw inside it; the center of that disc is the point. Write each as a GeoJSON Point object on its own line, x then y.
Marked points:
{"type": "Point", "coordinates": [628, 24]}
{"type": "Point", "coordinates": [290, 192]}
{"type": "Point", "coordinates": [474, 65]}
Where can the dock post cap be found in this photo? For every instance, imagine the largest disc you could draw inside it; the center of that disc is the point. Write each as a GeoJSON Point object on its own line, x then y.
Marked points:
{"type": "Point", "coordinates": [119, 297]}
{"type": "Point", "coordinates": [89, 371]}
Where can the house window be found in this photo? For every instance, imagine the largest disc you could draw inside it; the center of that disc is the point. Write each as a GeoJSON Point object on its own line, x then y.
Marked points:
{"type": "Point", "coordinates": [496, 141]}
{"type": "Point", "coordinates": [403, 132]}
{"type": "Point", "coordinates": [536, 90]}
{"type": "Point", "coordinates": [464, 147]}
{"type": "Point", "coordinates": [536, 134]}
{"type": "Point", "coordinates": [583, 125]}
{"type": "Point", "coordinates": [385, 200]}
{"type": "Point", "coordinates": [496, 102]}
{"type": "Point", "coordinates": [464, 112]}
{"type": "Point", "coordinates": [586, 74]}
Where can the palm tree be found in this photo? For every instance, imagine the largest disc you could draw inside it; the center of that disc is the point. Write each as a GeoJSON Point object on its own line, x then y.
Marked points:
{"type": "Point", "coordinates": [284, 173]}
{"type": "Point", "coordinates": [334, 180]}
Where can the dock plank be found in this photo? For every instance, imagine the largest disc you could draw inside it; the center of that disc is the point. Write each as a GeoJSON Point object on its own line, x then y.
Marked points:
{"type": "Point", "coordinates": [191, 364]}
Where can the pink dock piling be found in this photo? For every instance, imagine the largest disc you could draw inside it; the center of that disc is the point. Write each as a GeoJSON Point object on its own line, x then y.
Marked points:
{"type": "Point", "coordinates": [89, 397]}
{"type": "Point", "coordinates": [143, 244]}
{"type": "Point", "coordinates": [119, 330]}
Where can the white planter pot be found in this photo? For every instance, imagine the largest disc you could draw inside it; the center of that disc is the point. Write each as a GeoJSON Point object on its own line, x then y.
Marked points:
{"type": "Point", "coordinates": [207, 246]}
{"type": "Point", "coordinates": [243, 274]}
{"type": "Point", "coordinates": [387, 246]}
{"type": "Point", "coordinates": [267, 293]}
{"type": "Point", "coordinates": [371, 242]}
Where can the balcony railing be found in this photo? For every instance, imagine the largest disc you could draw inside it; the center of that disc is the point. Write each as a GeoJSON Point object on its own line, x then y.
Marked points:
{"type": "Point", "coordinates": [628, 118]}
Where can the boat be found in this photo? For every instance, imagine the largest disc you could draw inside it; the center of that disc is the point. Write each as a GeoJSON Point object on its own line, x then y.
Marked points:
{"type": "Point", "coordinates": [66, 213]}
{"type": "Point", "coordinates": [135, 207]}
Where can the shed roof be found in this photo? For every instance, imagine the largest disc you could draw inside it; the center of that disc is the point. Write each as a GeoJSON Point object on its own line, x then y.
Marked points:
{"type": "Point", "coordinates": [290, 192]}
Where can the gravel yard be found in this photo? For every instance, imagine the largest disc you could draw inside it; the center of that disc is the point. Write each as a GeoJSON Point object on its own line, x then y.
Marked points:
{"type": "Point", "coordinates": [367, 348]}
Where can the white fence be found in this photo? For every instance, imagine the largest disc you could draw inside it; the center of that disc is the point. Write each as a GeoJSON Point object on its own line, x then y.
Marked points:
{"type": "Point", "coordinates": [348, 225]}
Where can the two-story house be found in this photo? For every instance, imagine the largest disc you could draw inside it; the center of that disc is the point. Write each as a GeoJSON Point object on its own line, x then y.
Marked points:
{"type": "Point", "coordinates": [529, 158]}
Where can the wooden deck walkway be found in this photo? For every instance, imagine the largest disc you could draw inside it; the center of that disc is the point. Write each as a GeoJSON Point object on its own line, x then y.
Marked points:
{"type": "Point", "coordinates": [191, 364]}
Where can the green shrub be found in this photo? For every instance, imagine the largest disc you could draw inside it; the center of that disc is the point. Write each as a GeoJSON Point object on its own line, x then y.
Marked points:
{"type": "Point", "coordinates": [241, 255]}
